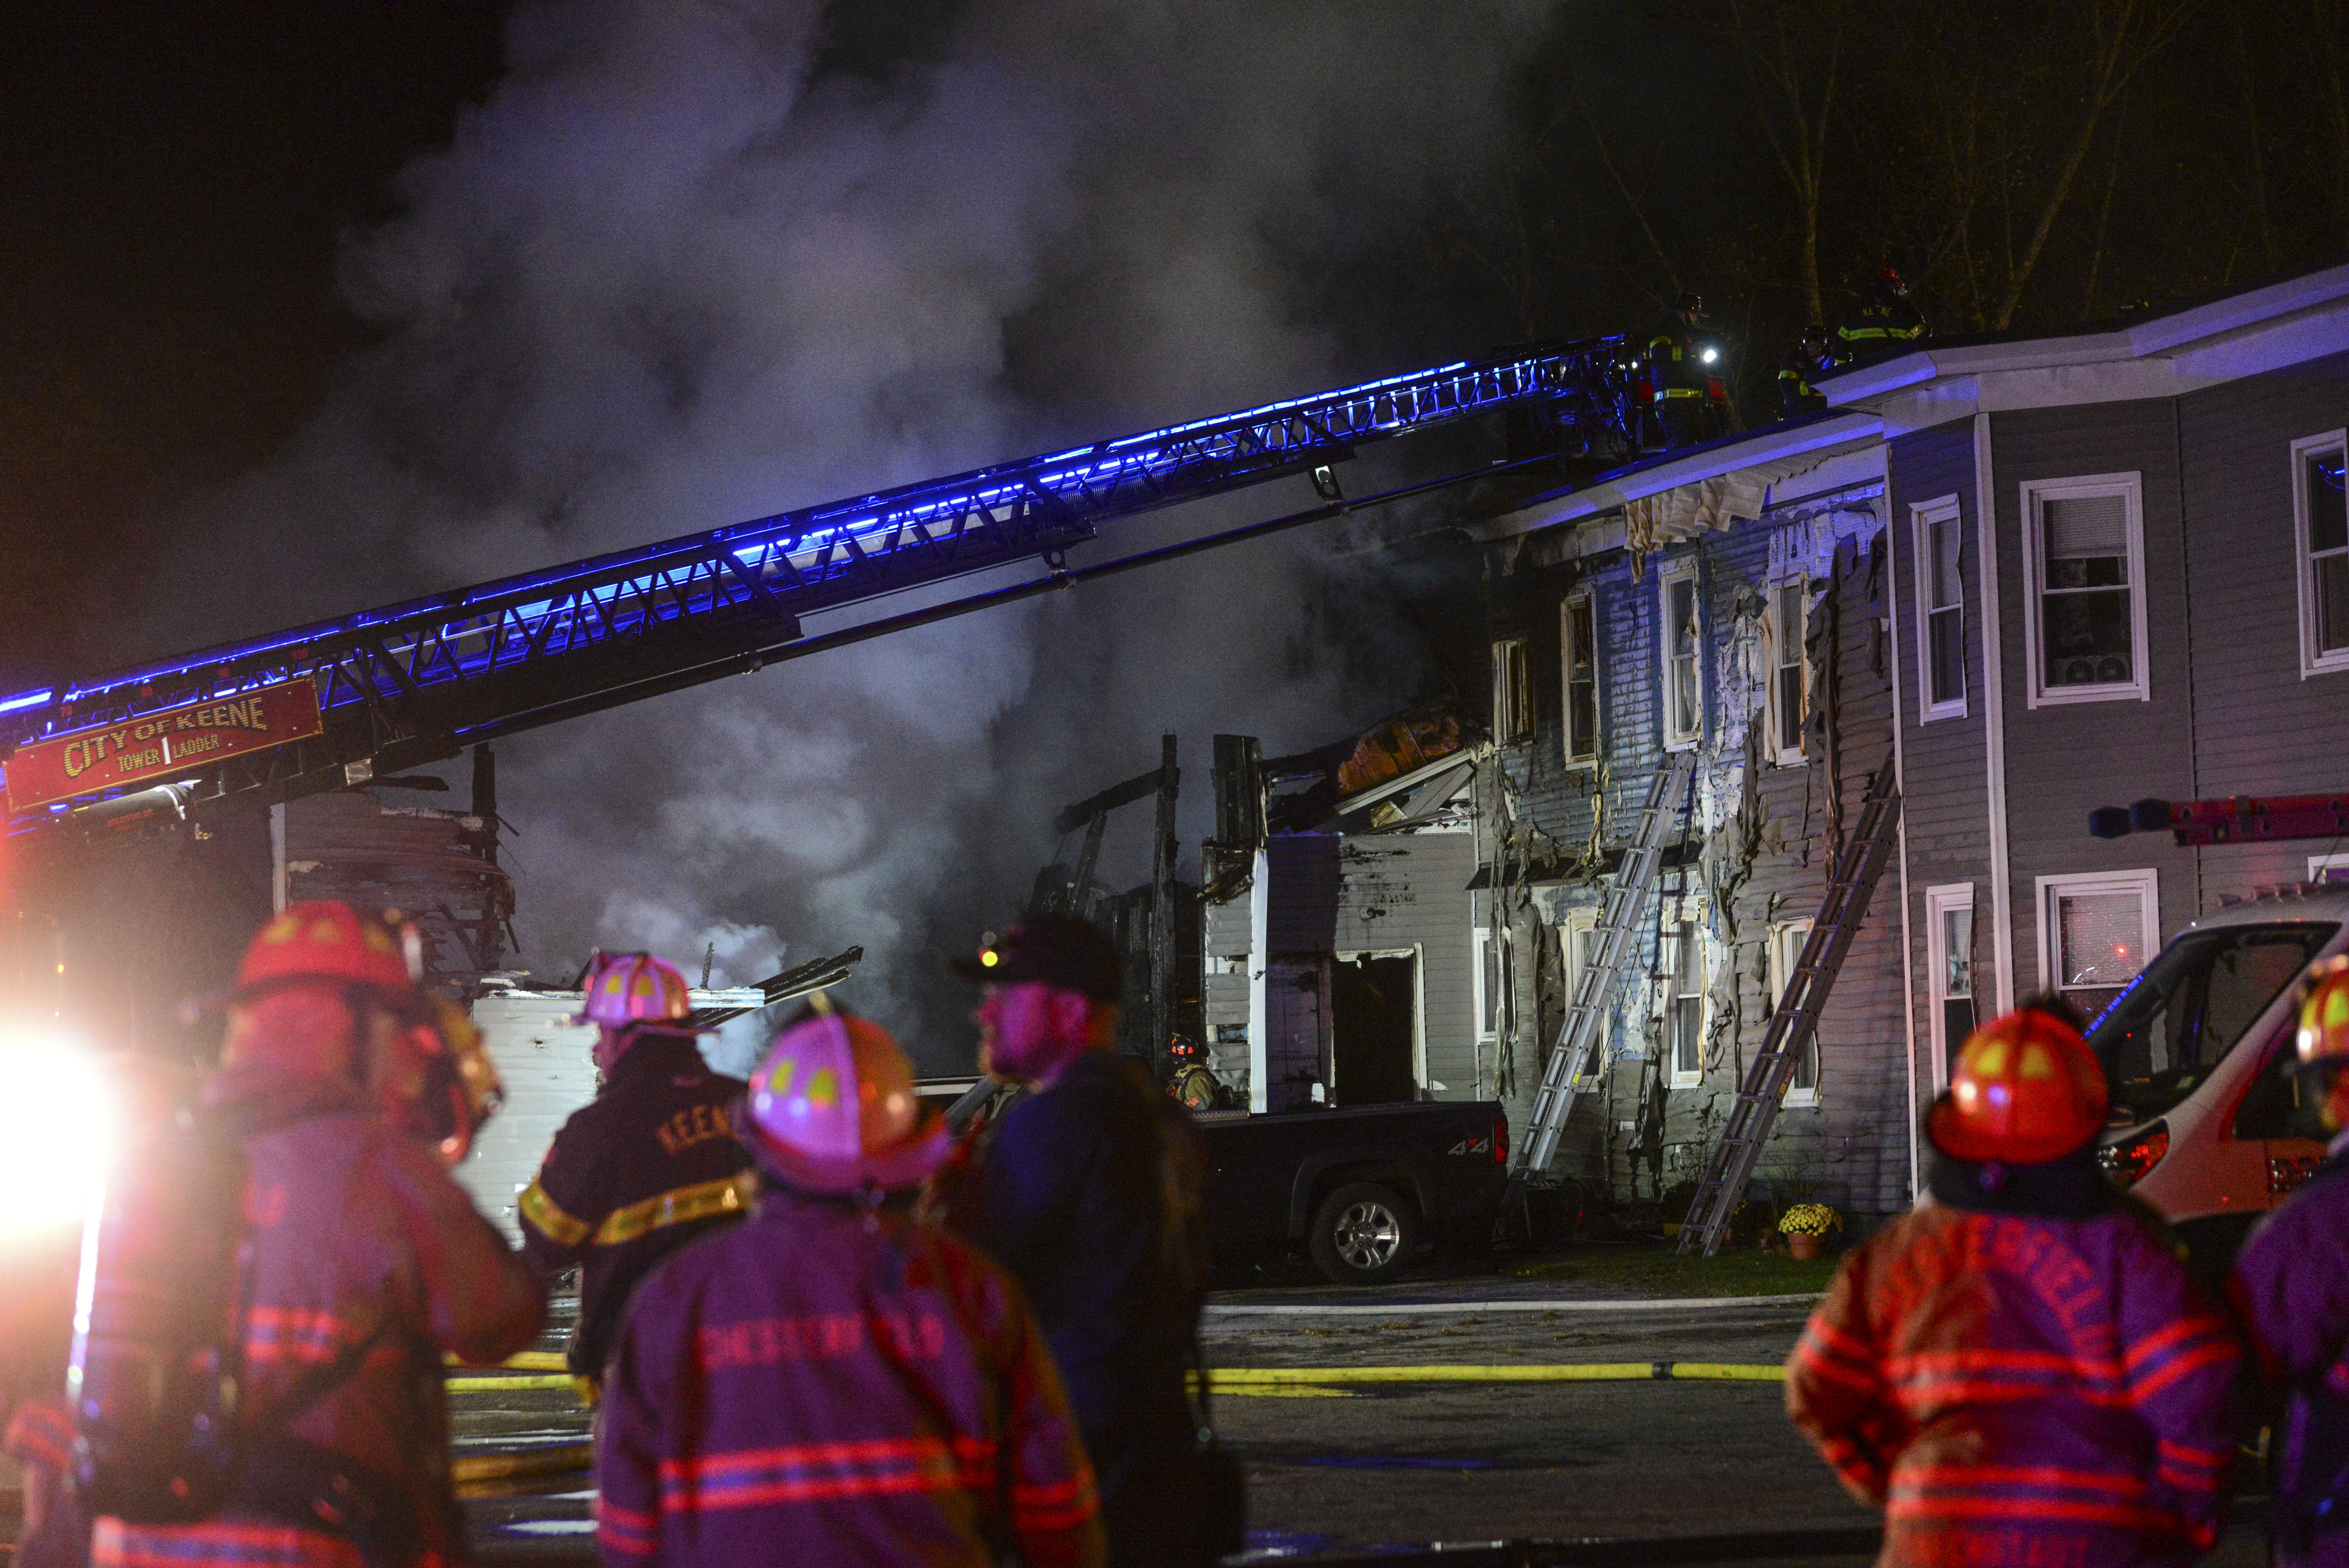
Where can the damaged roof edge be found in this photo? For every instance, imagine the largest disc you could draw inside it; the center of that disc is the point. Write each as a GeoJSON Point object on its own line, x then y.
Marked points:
{"type": "Point", "coordinates": [1855, 436]}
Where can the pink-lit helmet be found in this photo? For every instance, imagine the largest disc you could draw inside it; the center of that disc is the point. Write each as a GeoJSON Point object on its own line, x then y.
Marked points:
{"type": "Point", "coordinates": [626, 988]}
{"type": "Point", "coordinates": [833, 1108]}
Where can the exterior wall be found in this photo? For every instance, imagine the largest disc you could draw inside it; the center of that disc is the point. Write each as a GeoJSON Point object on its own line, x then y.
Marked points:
{"type": "Point", "coordinates": [2258, 727]}
{"type": "Point", "coordinates": [1329, 895]}
{"type": "Point", "coordinates": [1755, 852]}
{"type": "Point", "coordinates": [2063, 761]}
{"type": "Point", "coordinates": [1945, 780]}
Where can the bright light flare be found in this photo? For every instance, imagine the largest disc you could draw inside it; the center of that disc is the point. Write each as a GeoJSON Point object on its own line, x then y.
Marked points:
{"type": "Point", "coordinates": [57, 1131]}
{"type": "Point", "coordinates": [1711, 355]}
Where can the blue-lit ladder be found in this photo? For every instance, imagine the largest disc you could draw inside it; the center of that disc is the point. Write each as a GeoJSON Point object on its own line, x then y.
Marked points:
{"type": "Point", "coordinates": [413, 682]}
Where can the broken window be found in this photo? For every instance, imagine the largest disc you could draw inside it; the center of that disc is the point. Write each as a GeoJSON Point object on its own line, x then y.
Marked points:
{"type": "Point", "coordinates": [2323, 530]}
{"type": "Point", "coordinates": [1790, 605]}
{"type": "Point", "coordinates": [1683, 655]}
{"type": "Point", "coordinates": [1950, 962]}
{"type": "Point", "coordinates": [1579, 637]}
{"type": "Point", "coordinates": [1786, 940]}
{"type": "Point", "coordinates": [2089, 593]}
{"type": "Point", "coordinates": [1941, 612]}
{"type": "Point", "coordinates": [1513, 690]}
{"type": "Point", "coordinates": [1685, 1007]}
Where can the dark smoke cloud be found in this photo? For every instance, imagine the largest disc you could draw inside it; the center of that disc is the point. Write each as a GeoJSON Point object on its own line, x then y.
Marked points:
{"type": "Point", "coordinates": [673, 275]}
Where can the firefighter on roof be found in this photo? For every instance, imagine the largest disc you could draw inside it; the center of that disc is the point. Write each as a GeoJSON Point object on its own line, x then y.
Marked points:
{"type": "Point", "coordinates": [833, 1382]}
{"type": "Point", "coordinates": [1884, 321]}
{"type": "Point", "coordinates": [2021, 1370]}
{"type": "Point", "coordinates": [366, 1264]}
{"type": "Point", "coordinates": [2291, 1286]}
{"type": "Point", "coordinates": [651, 1165]}
{"type": "Point", "coordinates": [1685, 374]}
{"type": "Point", "coordinates": [1804, 360]}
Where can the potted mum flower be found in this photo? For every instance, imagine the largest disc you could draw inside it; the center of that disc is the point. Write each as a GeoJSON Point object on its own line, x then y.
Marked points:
{"type": "Point", "coordinates": [1806, 1227]}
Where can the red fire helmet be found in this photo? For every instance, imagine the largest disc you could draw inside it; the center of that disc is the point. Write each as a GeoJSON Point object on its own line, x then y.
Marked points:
{"type": "Point", "coordinates": [2026, 1089]}
{"type": "Point", "coordinates": [2324, 1014]}
{"type": "Point", "coordinates": [327, 940]}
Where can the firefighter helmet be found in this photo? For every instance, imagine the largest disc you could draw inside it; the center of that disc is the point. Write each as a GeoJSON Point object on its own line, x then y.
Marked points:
{"type": "Point", "coordinates": [325, 939]}
{"type": "Point", "coordinates": [626, 988]}
{"type": "Point", "coordinates": [2324, 1014]}
{"type": "Point", "coordinates": [2026, 1089]}
{"type": "Point", "coordinates": [440, 1086]}
{"type": "Point", "coordinates": [1889, 279]}
{"type": "Point", "coordinates": [832, 1109]}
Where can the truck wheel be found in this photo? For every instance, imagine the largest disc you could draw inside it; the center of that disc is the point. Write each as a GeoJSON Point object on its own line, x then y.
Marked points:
{"type": "Point", "coordinates": [1363, 1234]}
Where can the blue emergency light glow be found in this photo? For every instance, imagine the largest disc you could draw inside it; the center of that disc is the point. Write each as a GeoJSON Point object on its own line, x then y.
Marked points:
{"type": "Point", "coordinates": [455, 662]}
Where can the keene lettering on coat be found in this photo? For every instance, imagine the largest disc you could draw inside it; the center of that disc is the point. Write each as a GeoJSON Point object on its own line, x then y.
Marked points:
{"type": "Point", "coordinates": [697, 1124]}
{"type": "Point", "coordinates": [826, 1336]}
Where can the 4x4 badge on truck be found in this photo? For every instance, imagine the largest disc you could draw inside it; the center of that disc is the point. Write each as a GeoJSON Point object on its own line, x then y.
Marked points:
{"type": "Point", "coordinates": [1471, 1146]}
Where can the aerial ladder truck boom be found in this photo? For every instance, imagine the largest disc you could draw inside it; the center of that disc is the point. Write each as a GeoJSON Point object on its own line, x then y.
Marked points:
{"type": "Point", "coordinates": [413, 683]}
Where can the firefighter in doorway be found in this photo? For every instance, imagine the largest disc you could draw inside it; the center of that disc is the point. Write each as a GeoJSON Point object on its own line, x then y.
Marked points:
{"type": "Point", "coordinates": [834, 1381]}
{"type": "Point", "coordinates": [365, 1264]}
{"type": "Point", "coordinates": [2290, 1287]}
{"type": "Point", "coordinates": [650, 1164]}
{"type": "Point", "coordinates": [1885, 320]}
{"type": "Point", "coordinates": [2021, 1370]}
{"type": "Point", "coordinates": [1685, 375]}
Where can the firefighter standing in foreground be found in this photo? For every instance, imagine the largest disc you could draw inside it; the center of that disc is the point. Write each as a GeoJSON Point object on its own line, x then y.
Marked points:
{"type": "Point", "coordinates": [1092, 1195]}
{"type": "Point", "coordinates": [2291, 1286]}
{"type": "Point", "coordinates": [651, 1164]}
{"type": "Point", "coordinates": [366, 1262]}
{"type": "Point", "coordinates": [832, 1382]}
{"type": "Point", "coordinates": [2021, 1371]}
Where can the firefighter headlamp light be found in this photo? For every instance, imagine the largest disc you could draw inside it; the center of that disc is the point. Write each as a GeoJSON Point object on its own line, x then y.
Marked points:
{"type": "Point", "coordinates": [1710, 355]}
{"type": "Point", "coordinates": [58, 1132]}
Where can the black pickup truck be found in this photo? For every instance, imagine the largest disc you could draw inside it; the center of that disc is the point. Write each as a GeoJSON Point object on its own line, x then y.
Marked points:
{"type": "Point", "coordinates": [1361, 1188]}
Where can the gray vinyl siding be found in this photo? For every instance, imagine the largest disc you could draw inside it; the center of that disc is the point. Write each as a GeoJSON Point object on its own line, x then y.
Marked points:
{"type": "Point", "coordinates": [2063, 761]}
{"type": "Point", "coordinates": [2260, 728]}
{"type": "Point", "coordinates": [1945, 799]}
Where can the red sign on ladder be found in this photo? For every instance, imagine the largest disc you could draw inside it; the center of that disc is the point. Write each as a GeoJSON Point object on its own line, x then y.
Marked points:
{"type": "Point", "coordinates": [156, 745]}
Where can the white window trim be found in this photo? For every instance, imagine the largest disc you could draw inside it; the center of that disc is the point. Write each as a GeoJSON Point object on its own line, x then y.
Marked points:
{"type": "Point", "coordinates": [1483, 934]}
{"type": "Point", "coordinates": [1522, 729]}
{"type": "Point", "coordinates": [1779, 931]}
{"type": "Point", "coordinates": [2130, 487]}
{"type": "Point", "coordinates": [2319, 864]}
{"type": "Point", "coordinates": [1786, 751]}
{"type": "Point", "coordinates": [1690, 911]}
{"type": "Point", "coordinates": [1681, 571]}
{"type": "Point", "coordinates": [2146, 882]}
{"type": "Point", "coordinates": [1941, 900]}
{"type": "Point", "coordinates": [1565, 681]}
{"type": "Point", "coordinates": [1417, 953]}
{"type": "Point", "coordinates": [2312, 662]}
{"type": "Point", "coordinates": [1921, 519]}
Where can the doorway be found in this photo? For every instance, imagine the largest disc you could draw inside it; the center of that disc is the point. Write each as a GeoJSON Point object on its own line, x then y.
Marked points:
{"type": "Point", "coordinates": [1374, 1029]}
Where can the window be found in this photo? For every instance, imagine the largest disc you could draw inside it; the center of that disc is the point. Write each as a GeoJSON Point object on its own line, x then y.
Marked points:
{"type": "Point", "coordinates": [1786, 940]}
{"type": "Point", "coordinates": [1790, 605]}
{"type": "Point", "coordinates": [2083, 556]}
{"type": "Point", "coordinates": [1950, 971]}
{"type": "Point", "coordinates": [1683, 655]}
{"type": "Point", "coordinates": [1576, 937]}
{"type": "Point", "coordinates": [1579, 637]}
{"type": "Point", "coordinates": [2321, 523]}
{"type": "Point", "coordinates": [2095, 933]}
{"type": "Point", "coordinates": [1940, 611]}
{"type": "Point", "coordinates": [1513, 691]}
{"type": "Point", "coordinates": [1684, 1004]}
{"type": "Point", "coordinates": [1491, 982]}
{"type": "Point", "coordinates": [2328, 868]}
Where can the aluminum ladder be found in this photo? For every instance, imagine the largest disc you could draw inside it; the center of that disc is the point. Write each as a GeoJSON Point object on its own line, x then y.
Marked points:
{"type": "Point", "coordinates": [1576, 1052]}
{"type": "Point", "coordinates": [1859, 862]}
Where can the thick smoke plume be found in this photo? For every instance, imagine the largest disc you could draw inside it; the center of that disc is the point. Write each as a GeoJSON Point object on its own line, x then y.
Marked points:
{"type": "Point", "coordinates": [695, 262]}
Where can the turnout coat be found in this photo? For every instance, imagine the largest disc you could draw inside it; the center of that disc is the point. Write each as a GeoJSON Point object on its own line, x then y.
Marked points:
{"type": "Point", "coordinates": [2020, 1389]}
{"type": "Point", "coordinates": [828, 1384]}
{"type": "Point", "coordinates": [2291, 1285]}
